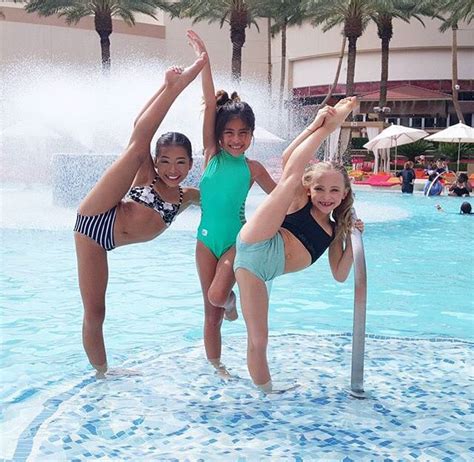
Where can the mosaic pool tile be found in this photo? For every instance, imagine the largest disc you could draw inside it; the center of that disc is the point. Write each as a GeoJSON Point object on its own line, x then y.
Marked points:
{"type": "Point", "coordinates": [418, 407]}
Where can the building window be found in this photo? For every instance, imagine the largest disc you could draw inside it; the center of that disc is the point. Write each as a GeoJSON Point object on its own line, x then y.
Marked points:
{"type": "Point", "coordinates": [430, 122]}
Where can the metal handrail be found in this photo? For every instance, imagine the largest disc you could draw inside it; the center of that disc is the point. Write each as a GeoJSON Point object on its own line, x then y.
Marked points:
{"type": "Point", "coordinates": [360, 304]}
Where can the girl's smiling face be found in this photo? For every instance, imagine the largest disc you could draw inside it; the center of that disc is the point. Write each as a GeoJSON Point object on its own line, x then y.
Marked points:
{"type": "Point", "coordinates": [172, 165]}
{"type": "Point", "coordinates": [327, 191]}
{"type": "Point", "coordinates": [236, 137]}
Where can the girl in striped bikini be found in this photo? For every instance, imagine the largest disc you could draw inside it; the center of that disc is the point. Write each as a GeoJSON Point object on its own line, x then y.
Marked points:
{"type": "Point", "coordinates": [136, 199]}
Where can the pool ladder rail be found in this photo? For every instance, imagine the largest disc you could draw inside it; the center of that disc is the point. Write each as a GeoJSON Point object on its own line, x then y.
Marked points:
{"type": "Point", "coordinates": [360, 305]}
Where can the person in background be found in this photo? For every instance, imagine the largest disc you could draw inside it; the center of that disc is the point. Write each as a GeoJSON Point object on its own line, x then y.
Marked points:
{"type": "Point", "coordinates": [461, 187]}
{"type": "Point", "coordinates": [466, 209]}
{"type": "Point", "coordinates": [421, 162]}
{"type": "Point", "coordinates": [407, 177]}
{"type": "Point", "coordinates": [433, 190]}
{"type": "Point", "coordinates": [430, 168]}
{"type": "Point", "coordinates": [441, 166]}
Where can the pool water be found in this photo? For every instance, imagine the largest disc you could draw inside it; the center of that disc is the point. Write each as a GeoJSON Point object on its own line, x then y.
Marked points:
{"type": "Point", "coordinates": [418, 375]}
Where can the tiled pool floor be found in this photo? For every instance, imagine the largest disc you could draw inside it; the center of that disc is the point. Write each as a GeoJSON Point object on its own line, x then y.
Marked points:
{"type": "Point", "coordinates": [419, 407]}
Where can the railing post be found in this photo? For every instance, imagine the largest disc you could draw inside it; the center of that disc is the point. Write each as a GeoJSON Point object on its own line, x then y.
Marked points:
{"type": "Point", "coordinates": [360, 303]}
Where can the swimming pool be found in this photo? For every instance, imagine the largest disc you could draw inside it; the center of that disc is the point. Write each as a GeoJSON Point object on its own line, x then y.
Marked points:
{"type": "Point", "coordinates": [419, 347]}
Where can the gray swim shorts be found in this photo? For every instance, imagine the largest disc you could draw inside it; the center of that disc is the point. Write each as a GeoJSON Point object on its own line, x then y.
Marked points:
{"type": "Point", "coordinates": [264, 259]}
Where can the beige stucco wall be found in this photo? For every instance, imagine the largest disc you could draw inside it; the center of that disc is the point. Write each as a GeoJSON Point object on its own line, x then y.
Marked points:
{"type": "Point", "coordinates": [52, 40]}
{"type": "Point", "coordinates": [417, 52]}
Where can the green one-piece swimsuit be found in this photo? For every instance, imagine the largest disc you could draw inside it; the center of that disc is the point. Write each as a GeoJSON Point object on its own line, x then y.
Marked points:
{"type": "Point", "coordinates": [224, 187]}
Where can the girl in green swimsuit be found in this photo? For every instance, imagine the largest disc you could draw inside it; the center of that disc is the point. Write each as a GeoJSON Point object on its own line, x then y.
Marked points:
{"type": "Point", "coordinates": [227, 133]}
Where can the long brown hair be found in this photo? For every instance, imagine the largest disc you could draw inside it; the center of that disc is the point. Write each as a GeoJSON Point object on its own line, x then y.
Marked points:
{"type": "Point", "coordinates": [342, 214]}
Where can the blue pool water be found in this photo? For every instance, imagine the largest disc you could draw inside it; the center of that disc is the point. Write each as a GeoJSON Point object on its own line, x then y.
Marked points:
{"type": "Point", "coordinates": [420, 325]}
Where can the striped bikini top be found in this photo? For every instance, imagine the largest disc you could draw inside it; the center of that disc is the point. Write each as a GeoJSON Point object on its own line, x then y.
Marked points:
{"type": "Point", "coordinates": [147, 195]}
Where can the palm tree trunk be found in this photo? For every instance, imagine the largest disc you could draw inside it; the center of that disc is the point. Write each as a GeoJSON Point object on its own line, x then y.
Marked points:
{"type": "Point", "coordinates": [236, 61]}
{"type": "Point", "coordinates": [338, 71]}
{"type": "Point", "coordinates": [103, 26]}
{"type": "Point", "coordinates": [454, 82]}
{"type": "Point", "coordinates": [351, 61]}
{"type": "Point", "coordinates": [269, 57]}
{"type": "Point", "coordinates": [283, 63]}
{"type": "Point", "coordinates": [384, 75]}
{"type": "Point", "coordinates": [238, 23]}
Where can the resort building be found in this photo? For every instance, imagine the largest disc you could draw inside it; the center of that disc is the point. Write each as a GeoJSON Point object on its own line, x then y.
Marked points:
{"type": "Point", "coordinates": [419, 86]}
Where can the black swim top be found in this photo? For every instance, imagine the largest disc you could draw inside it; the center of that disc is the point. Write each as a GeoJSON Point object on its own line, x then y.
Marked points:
{"type": "Point", "coordinates": [304, 227]}
{"type": "Point", "coordinates": [147, 195]}
{"type": "Point", "coordinates": [460, 191]}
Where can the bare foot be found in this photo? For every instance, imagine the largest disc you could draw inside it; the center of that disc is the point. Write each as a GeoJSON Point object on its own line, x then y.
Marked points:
{"type": "Point", "coordinates": [179, 78]}
{"type": "Point", "coordinates": [230, 308]}
{"type": "Point", "coordinates": [220, 368]}
{"type": "Point", "coordinates": [342, 109]}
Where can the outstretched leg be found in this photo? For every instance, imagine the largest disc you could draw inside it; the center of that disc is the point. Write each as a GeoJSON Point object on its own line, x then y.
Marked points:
{"type": "Point", "coordinates": [118, 178]}
{"type": "Point", "coordinates": [269, 216]}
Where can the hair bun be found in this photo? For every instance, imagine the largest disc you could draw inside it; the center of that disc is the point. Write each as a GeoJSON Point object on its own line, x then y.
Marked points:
{"type": "Point", "coordinates": [235, 97]}
{"type": "Point", "coordinates": [222, 98]}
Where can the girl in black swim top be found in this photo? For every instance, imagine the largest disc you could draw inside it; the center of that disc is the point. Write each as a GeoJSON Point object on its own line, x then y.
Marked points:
{"type": "Point", "coordinates": [292, 228]}
{"type": "Point", "coordinates": [461, 187]}
{"type": "Point", "coordinates": [106, 220]}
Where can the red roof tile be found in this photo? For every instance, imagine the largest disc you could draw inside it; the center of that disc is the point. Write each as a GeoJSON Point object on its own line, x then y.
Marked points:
{"type": "Point", "coordinates": [407, 93]}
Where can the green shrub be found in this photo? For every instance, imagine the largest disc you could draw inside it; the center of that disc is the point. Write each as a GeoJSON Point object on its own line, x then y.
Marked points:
{"type": "Point", "coordinates": [358, 143]}
{"type": "Point", "coordinates": [450, 150]}
{"type": "Point", "coordinates": [414, 149]}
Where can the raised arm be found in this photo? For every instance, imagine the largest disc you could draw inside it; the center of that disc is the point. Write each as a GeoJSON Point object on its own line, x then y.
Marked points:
{"type": "Point", "coordinates": [151, 116]}
{"type": "Point", "coordinates": [208, 90]}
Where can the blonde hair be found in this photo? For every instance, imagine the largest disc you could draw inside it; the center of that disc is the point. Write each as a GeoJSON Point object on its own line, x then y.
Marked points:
{"type": "Point", "coordinates": [342, 214]}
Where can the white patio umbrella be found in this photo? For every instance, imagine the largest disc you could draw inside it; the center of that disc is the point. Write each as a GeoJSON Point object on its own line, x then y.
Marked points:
{"type": "Point", "coordinates": [459, 133]}
{"type": "Point", "coordinates": [394, 136]}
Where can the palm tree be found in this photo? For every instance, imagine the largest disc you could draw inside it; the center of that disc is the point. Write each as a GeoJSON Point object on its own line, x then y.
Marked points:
{"type": "Point", "coordinates": [103, 12]}
{"type": "Point", "coordinates": [239, 14]}
{"type": "Point", "coordinates": [284, 13]}
{"type": "Point", "coordinates": [338, 71]}
{"type": "Point", "coordinates": [354, 15]}
{"type": "Point", "coordinates": [385, 12]}
{"type": "Point", "coordinates": [456, 11]}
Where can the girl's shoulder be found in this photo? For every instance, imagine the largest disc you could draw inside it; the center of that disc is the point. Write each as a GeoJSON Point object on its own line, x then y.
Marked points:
{"type": "Point", "coordinates": [191, 195]}
{"type": "Point", "coordinates": [254, 164]}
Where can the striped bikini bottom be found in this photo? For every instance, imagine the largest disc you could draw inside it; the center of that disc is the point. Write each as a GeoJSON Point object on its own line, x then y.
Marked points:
{"type": "Point", "coordinates": [100, 227]}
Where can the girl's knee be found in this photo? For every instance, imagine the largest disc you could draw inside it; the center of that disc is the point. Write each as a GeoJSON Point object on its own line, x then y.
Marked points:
{"type": "Point", "coordinates": [94, 317]}
{"type": "Point", "coordinates": [258, 343]}
{"type": "Point", "coordinates": [217, 296]}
